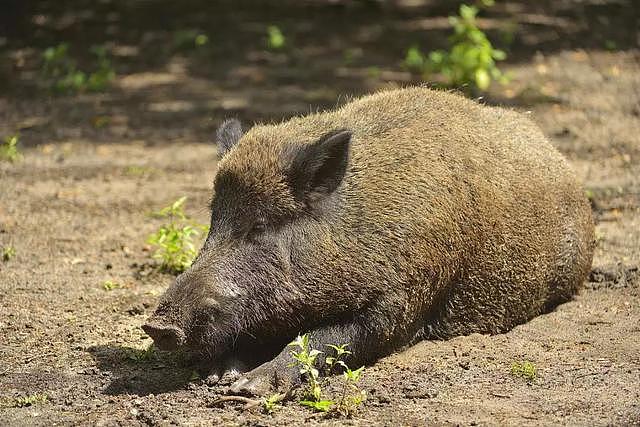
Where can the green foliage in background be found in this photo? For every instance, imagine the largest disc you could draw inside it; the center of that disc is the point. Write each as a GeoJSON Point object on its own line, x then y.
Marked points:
{"type": "Point", "coordinates": [63, 76]}
{"type": "Point", "coordinates": [471, 58]}
{"type": "Point", "coordinates": [9, 149]}
{"type": "Point", "coordinates": [275, 38]}
{"type": "Point", "coordinates": [189, 39]}
{"type": "Point", "coordinates": [175, 249]}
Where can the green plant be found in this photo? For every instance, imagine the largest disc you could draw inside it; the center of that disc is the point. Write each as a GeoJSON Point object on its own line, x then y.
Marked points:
{"type": "Point", "coordinates": [175, 249]}
{"type": "Point", "coordinates": [305, 361]}
{"type": "Point", "coordinates": [471, 59]}
{"type": "Point", "coordinates": [100, 79]}
{"type": "Point", "coordinates": [139, 171]}
{"type": "Point", "coordinates": [64, 77]}
{"type": "Point", "coordinates": [109, 285]}
{"type": "Point", "coordinates": [374, 72]}
{"type": "Point", "coordinates": [142, 355]}
{"type": "Point", "coordinates": [526, 370]}
{"type": "Point", "coordinates": [275, 38]}
{"type": "Point", "coordinates": [271, 403]}
{"type": "Point", "coordinates": [415, 59]}
{"type": "Point", "coordinates": [8, 253]}
{"type": "Point", "coordinates": [350, 55]}
{"type": "Point", "coordinates": [9, 149]}
{"type": "Point", "coordinates": [610, 45]}
{"type": "Point", "coordinates": [352, 396]}
{"type": "Point", "coordinates": [60, 70]}
{"type": "Point", "coordinates": [31, 400]}
{"type": "Point", "coordinates": [305, 357]}
{"type": "Point", "coordinates": [189, 39]}
{"type": "Point", "coordinates": [101, 121]}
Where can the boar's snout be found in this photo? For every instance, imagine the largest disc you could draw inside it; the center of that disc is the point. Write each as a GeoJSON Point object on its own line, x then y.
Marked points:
{"type": "Point", "coordinates": [165, 337]}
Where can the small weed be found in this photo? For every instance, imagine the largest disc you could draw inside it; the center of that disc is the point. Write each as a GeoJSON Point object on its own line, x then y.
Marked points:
{"type": "Point", "coordinates": [590, 195]}
{"type": "Point", "coordinates": [31, 400]}
{"type": "Point", "coordinates": [174, 240]}
{"type": "Point", "coordinates": [8, 253]}
{"type": "Point", "coordinates": [351, 55]}
{"type": "Point", "coordinates": [64, 77]}
{"type": "Point", "coordinates": [471, 59]}
{"type": "Point", "coordinates": [305, 361]}
{"type": "Point", "coordinates": [100, 122]}
{"type": "Point", "coordinates": [100, 79]}
{"type": "Point", "coordinates": [351, 396]}
{"type": "Point", "coordinates": [138, 171]}
{"type": "Point", "coordinates": [9, 149]}
{"type": "Point", "coordinates": [415, 59]}
{"type": "Point", "coordinates": [142, 355]}
{"type": "Point", "coordinates": [526, 370]}
{"type": "Point", "coordinates": [109, 285]}
{"type": "Point", "coordinates": [189, 39]}
{"type": "Point", "coordinates": [271, 403]}
{"type": "Point", "coordinates": [610, 45]}
{"type": "Point", "coordinates": [275, 38]}
{"type": "Point", "coordinates": [374, 72]}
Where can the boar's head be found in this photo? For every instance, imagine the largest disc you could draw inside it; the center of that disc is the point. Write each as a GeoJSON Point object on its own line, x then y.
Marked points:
{"type": "Point", "coordinates": [255, 281]}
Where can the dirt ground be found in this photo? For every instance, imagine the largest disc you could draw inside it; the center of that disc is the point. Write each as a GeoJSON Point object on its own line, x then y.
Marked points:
{"type": "Point", "coordinates": [75, 208]}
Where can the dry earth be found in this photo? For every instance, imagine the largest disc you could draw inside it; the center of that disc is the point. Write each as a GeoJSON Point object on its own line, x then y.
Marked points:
{"type": "Point", "coordinates": [75, 209]}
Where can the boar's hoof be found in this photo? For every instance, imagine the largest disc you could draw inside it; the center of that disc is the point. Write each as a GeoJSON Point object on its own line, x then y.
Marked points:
{"type": "Point", "coordinates": [258, 386]}
{"type": "Point", "coordinates": [265, 378]}
{"type": "Point", "coordinates": [165, 337]}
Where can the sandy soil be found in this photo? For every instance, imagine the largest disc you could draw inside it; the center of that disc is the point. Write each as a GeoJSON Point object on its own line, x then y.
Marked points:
{"type": "Point", "coordinates": [76, 211]}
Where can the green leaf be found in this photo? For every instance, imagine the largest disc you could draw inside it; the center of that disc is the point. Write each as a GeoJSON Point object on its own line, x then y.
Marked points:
{"type": "Point", "coordinates": [468, 13]}
{"type": "Point", "coordinates": [301, 342]}
{"type": "Point", "coordinates": [314, 372]}
{"type": "Point", "coordinates": [353, 376]}
{"type": "Point", "coordinates": [414, 59]}
{"type": "Point", "coordinates": [482, 79]}
{"type": "Point", "coordinates": [498, 55]}
{"type": "Point", "coordinates": [275, 38]}
{"type": "Point", "coordinates": [320, 405]}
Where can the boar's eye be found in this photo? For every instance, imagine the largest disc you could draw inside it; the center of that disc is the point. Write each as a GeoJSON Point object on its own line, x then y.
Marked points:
{"type": "Point", "coordinates": [259, 227]}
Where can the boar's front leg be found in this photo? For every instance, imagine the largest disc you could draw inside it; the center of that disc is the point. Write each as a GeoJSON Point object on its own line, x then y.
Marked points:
{"type": "Point", "coordinates": [367, 343]}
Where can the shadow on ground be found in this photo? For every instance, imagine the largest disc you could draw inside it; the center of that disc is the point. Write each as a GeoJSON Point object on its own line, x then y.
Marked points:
{"type": "Point", "coordinates": [168, 91]}
{"type": "Point", "coordinates": [140, 372]}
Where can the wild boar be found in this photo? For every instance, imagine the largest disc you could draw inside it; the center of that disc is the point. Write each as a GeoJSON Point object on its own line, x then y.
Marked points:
{"type": "Point", "coordinates": [405, 215]}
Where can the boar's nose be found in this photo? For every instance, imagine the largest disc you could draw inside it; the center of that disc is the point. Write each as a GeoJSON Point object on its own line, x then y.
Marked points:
{"type": "Point", "coordinates": [165, 337]}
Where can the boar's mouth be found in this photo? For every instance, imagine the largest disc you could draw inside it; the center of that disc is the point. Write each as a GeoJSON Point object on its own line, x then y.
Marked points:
{"type": "Point", "coordinates": [212, 339]}
{"type": "Point", "coordinates": [251, 348]}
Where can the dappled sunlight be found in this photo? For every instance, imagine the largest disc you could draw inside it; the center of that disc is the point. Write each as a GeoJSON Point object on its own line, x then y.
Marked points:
{"type": "Point", "coordinates": [109, 112]}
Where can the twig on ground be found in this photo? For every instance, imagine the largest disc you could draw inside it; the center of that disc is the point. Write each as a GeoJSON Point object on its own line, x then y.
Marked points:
{"type": "Point", "coordinates": [249, 403]}
{"type": "Point", "coordinates": [500, 394]}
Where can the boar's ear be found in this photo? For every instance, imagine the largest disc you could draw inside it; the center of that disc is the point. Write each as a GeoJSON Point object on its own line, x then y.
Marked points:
{"type": "Point", "coordinates": [227, 135]}
{"type": "Point", "coordinates": [317, 169]}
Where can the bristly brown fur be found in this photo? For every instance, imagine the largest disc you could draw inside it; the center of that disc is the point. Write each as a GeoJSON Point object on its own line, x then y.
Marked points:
{"type": "Point", "coordinates": [451, 218]}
